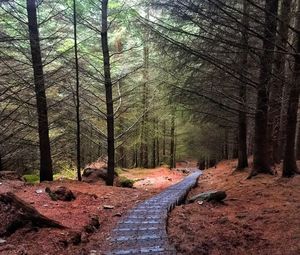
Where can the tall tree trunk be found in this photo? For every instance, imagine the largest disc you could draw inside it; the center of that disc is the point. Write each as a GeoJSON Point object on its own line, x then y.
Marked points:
{"type": "Point", "coordinates": [261, 161]}
{"type": "Point", "coordinates": [1, 163]}
{"type": "Point", "coordinates": [78, 141]}
{"type": "Point", "coordinates": [278, 83]}
{"type": "Point", "coordinates": [144, 137]}
{"type": "Point", "coordinates": [172, 145]}
{"type": "Point", "coordinates": [289, 161]}
{"type": "Point", "coordinates": [283, 118]}
{"type": "Point", "coordinates": [298, 142]}
{"type": "Point", "coordinates": [109, 97]}
{"type": "Point", "coordinates": [235, 147]}
{"type": "Point", "coordinates": [164, 141]}
{"type": "Point", "coordinates": [135, 156]}
{"type": "Point", "coordinates": [157, 144]}
{"type": "Point", "coordinates": [242, 132]}
{"type": "Point", "coordinates": [226, 154]}
{"type": "Point", "coordinates": [154, 152]}
{"type": "Point", "coordinates": [46, 172]}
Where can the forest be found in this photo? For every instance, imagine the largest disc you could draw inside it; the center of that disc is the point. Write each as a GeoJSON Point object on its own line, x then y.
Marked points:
{"type": "Point", "coordinates": [99, 96]}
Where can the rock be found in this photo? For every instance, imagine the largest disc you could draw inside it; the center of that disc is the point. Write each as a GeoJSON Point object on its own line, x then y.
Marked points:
{"type": "Point", "coordinates": [75, 238]}
{"type": "Point", "coordinates": [209, 196]}
{"type": "Point", "coordinates": [39, 191]}
{"type": "Point", "coordinates": [223, 220]}
{"type": "Point", "coordinates": [94, 174]}
{"type": "Point", "coordinates": [10, 175]}
{"type": "Point", "coordinates": [61, 193]}
{"type": "Point", "coordinates": [108, 207]}
{"type": "Point", "coordinates": [2, 241]}
{"type": "Point", "coordinates": [93, 225]}
{"type": "Point", "coordinates": [84, 237]}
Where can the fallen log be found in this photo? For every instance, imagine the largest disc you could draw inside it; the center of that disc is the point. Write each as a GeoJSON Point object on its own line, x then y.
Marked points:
{"type": "Point", "coordinates": [24, 215]}
{"type": "Point", "coordinates": [208, 196]}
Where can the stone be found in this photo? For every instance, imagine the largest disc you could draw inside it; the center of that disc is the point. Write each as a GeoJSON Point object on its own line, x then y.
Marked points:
{"type": "Point", "coordinates": [91, 175]}
{"type": "Point", "coordinates": [75, 238]}
{"type": "Point", "coordinates": [108, 207]}
{"type": "Point", "coordinates": [93, 225]}
{"type": "Point", "coordinates": [61, 193]}
{"type": "Point", "coordinates": [10, 175]}
{"type": "Point", "coordinates": [208, 196]}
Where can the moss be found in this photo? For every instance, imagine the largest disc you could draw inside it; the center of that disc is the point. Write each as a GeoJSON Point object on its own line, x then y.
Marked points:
{"type": "Point", "coordinates": [126, 183]}
{"type": "Point", "coordinates": [65, 170]}
{"type": "Point", "coordinates": [31, 178]}
{"type": "Point", "coordinates": [118, 171]}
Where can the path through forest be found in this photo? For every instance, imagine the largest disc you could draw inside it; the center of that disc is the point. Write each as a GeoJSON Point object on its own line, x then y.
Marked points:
{"type": "Point", "coordinates": [143, 230]}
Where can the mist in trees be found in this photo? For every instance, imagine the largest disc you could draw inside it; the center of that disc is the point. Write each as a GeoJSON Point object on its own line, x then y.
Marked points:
{"type": "Point", "coordinates": [146, 83]}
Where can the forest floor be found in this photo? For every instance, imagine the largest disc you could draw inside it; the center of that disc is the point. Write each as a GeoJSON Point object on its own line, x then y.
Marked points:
{"type": "Point", "coordinates": [259, 216]}
{"type": "Point", "coordinates": [75, 215]}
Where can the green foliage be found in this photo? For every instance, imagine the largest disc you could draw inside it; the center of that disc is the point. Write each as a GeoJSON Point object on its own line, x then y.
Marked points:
{"type": "Point", "coordinates": [31, 178]}
{"type": "Point", "coordinates": [126, 183]}
{"type": "Point", "coordinates": [200, 142]}
{"type": "Point", "coordinates": [65, 170]}
{"type": "Point", "coordinates": [118, 171]}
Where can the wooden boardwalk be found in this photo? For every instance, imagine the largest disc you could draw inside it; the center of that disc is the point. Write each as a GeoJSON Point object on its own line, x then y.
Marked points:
{"type": "Point", "coordinates": [143, 230]}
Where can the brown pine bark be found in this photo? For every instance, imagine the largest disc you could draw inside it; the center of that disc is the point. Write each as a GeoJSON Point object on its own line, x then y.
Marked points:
{"type": "Point", "coordinates": [261, 159]}
{"type": "Point", "coordinates": [46, 173]}
{"type": "Point", "coordinates": [276, 91]}
{"type": "Point", "coordinates": [226, 153]}
{"type": "Point", "coordinates": [78, 140]}
{"type": "Point", "coordinates": [1, 163]}
{"type": "Point", "coordinates": [109, 97]}
{"type": "Point", "coordinates": [289, 162]}
{"type": "Point", "coordinates": [242, 120]}
{"type": "Point", "coordinates": [157, 144]}
{"type": "Point", "coordinates": [298, 143]}
{"type": "Point", "coordinates": [154, 152]}
{"type": "Point", "coordinates": [164, 141]}
{"type": "Point", "coordinates": [172, 145]}
{"type": "Point", "coordinates": [144, 157]}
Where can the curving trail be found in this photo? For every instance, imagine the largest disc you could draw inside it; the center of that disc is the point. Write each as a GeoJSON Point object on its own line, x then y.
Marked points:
{"type": "Point", "coordinates": [143, 230]}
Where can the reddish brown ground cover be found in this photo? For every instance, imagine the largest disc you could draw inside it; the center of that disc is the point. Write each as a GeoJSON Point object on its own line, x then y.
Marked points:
{"type": "Point", "coordinates": [259, 216]}
{"type": "Point", "coordinates": [75, 215]}
{"type": "Point", "coordinates": [154, 179]}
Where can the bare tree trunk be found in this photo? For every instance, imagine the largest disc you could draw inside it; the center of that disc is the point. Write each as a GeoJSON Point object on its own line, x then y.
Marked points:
{"type": "Point", "coordinates": [154, 152]}
{"type": "Point", "coordinates": [1, 163]}
{"type": "Point", "coordinates": [78, 141]}
{"type": "Point", "coordinates": [261, 161]}
{"type": "Point", "coordinates": [235, 147]}
{"type": "Point", "coordinates": [242, 132]}
{"type": "Point", "coordinates": [46, 172]}
{"type": "Point", "coordinates": [289, 162]}
{"type": "Point", "coordinates": [278, 83]}
{"type": "Point", "coordinates": [172, 145]}
{"type": "Point", "coordinates": [226, 154]}
{"type": "Point", "coordinates": [164, 141]}
{"type": "Point", "coordinates": [109, 97]}
{"type": "Point", "coordinates": [298, 140]}
{"type": "Point", "coordinates": [283, 118]}
{"type": "Point", "coordinates": [157, 144]}
{"type": "Point", "coordinates": [144, 136]}
{"type": "Point", "coordinates": [135, 157]}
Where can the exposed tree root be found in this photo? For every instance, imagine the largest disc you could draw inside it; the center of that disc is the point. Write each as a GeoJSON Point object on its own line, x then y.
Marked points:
{"type": "Point", "coordinates": [25, 215]}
